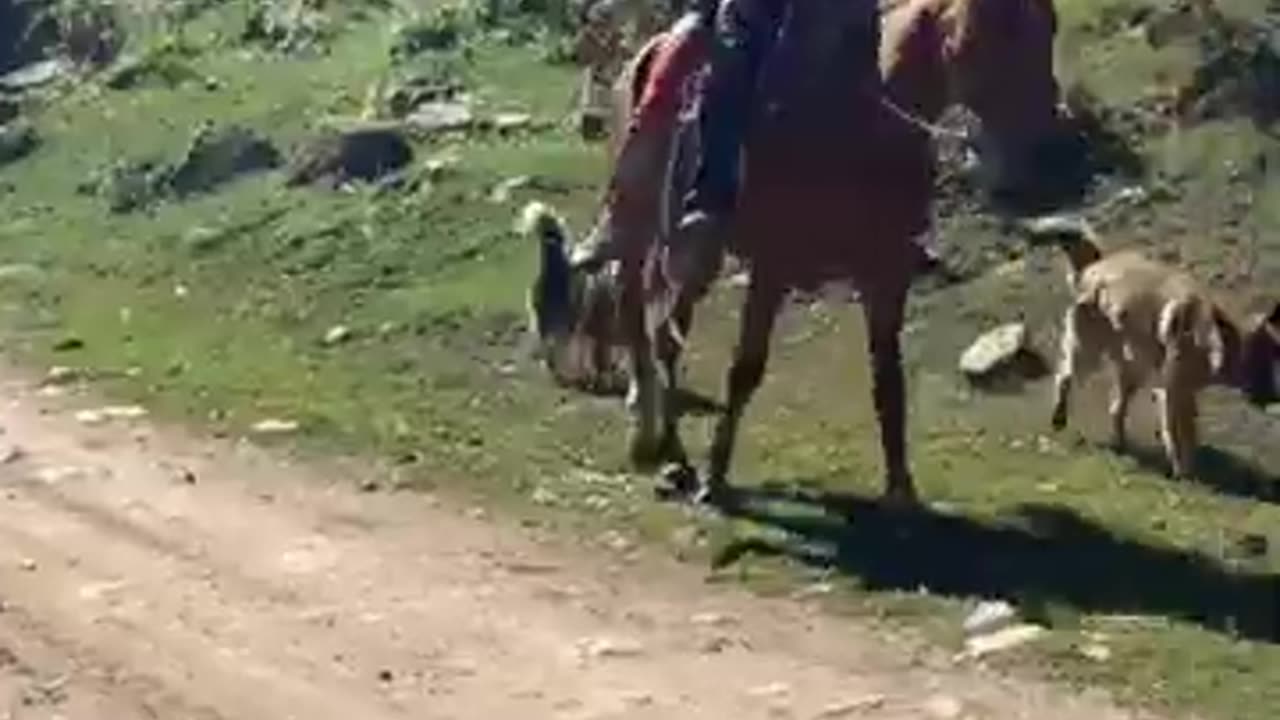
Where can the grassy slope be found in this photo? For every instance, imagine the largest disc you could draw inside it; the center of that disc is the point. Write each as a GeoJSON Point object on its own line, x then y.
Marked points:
{"type": "Point", "coordinates": [431, 283]}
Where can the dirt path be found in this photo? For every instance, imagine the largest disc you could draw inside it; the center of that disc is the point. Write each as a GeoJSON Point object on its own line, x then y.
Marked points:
{"type": "Point", "coordinates": [264, 590]}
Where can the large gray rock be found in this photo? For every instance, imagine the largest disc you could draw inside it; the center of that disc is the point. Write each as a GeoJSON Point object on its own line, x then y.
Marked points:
{"type": "Point", "coordinates": [1001, 354]}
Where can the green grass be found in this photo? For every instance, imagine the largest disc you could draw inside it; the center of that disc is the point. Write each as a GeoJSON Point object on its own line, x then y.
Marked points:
{"type": "Point", "coordinates": [431, 284]}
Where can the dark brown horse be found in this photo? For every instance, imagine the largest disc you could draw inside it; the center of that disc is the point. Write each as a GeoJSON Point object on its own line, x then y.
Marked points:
{"type": "Point", "coordinates": [838, 184]}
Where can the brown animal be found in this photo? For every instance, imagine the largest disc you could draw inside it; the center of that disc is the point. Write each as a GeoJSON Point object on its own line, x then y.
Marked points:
{"type": "Point", "coordinates": [838, 182]}
{"type": "Point", "coordinates": [1153, 321]}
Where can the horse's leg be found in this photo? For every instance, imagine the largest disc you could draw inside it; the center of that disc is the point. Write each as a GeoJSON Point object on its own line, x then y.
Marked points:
{"type": "Point", "coordinates": [764, 298]}
{"type": "Point", "coordinates": [883, 310]}
{"type": "Point", "coordinates": [642, 393]}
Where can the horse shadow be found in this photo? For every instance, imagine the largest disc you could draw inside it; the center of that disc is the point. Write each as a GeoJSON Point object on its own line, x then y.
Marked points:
{"type": "Point", "coordinates": [1218, 470]}
{"type": "Point", "coordinates": [1042, 557]}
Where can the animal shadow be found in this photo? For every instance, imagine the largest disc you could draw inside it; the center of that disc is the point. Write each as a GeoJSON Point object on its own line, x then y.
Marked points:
{"type": "Point", "coordinates": [1040, 555]}
{"type": "Point", "coordinates": [1218, 470]}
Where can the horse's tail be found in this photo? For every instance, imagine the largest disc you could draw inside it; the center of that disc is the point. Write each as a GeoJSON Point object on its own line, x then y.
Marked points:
{"type": "Point", "coordinates": [1074, 236]}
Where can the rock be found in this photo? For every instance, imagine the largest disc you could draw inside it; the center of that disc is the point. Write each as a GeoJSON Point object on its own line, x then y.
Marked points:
{"type": "Point", "coordinates": [1000, 354]}
{"type": "Point", "coordinates": [989, 616]}
{"type": "Point", "coordinates": [337, 335]}
{"type": "Point", "coordinates": [511, 122]}
{"type": "Point", "coordinates": [272, 426]}
{"type": "Point", "coordinates": [846, 708]}
{"type": "Point", "coordinates": [1001, 640]}
{"type": "Point", "coordinates": [101, 415]}
{"type": "Point", "coordinates": [432, 118]}
{"type": "Point", "coordinates": [385, 676]}
{"type": "Point", "coordinates": [18, 139]}
{"type": "Point", "coordinates": [217, 156]}
{"type": "Point", "coordinates": [413, 92]}
{"type": "Point", "coordinates": [366, 153]}
{"type": "Point", "coordinates": [35, 74]}
{"type": "Point", "coordinates": [775, 690]}
{"type": "Point", "coordinates": [1096, 652]}
{"type": "Point", "coordinates": [28, 565]}
{"type": "Point", "coordinates": [501, 192]}
{"type": "Point", "coordinates": [438, 167]}
{"type": "Point", "coordinates": [61, 375]}
{"type": "Point", "coordinates": [10, 454]}
{"type": "Point", "coordinates": [607, 648]}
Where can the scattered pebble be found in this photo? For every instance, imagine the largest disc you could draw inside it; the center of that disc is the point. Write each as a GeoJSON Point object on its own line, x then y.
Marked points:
{"type": "Point", "coordinates": [606, 648]}
{"type": "Point", "coordinates": [28, 565]}
{"type": "Point", "coordinates": [851, 707]}
{"type": "Point", "coordinates": [1001, 640]}
{"type": "Point", "coordinates": [989, 616]}
{"type": "Point", "coordinates": [369, 485]}
{"type": "Point", "coordinates": [274, 426]}
{"type": "Point", "coordinates": [101, 415]}
{"type": "Point", "coordinates": [1096, 652]}
{"type": "Point", "coordinates": [61, 374]}
{"type": "Point", "coordinates": [337, 335]}
{"type": "Point", "coordinates": [772, 690]}
{"type": "Point", "coordinates": [385, 676]}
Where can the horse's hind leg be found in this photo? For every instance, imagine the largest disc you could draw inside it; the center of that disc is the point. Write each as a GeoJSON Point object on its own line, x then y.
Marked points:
{"type": "Point", "coordinates": [884, 314]}
{"type": "Point", "coordinates": [764, 297]}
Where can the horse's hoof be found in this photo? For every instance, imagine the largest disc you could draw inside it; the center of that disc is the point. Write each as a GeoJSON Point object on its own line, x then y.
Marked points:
{"type": "Point", "coordinates": [900, 497]}
{"type": "Point", "coordinates": [677, 481]}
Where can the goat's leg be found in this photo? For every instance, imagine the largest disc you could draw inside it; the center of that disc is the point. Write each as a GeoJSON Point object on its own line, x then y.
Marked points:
{"type": "Point", "coordinates": [669, 351]}
{"type": "Point", "coordinates": [1076, 357]}
{"type": "Point", "coordinates": [884, 315]}
{"type": "Point", "coordinates": [750, 358]}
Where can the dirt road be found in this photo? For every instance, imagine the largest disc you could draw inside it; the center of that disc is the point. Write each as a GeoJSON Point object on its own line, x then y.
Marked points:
{"type": "Point", "coordinates": [148, 574]}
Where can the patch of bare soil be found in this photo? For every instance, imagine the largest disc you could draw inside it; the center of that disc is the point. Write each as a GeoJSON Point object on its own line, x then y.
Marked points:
{"type": "Point", "coordinates": [145, 573]}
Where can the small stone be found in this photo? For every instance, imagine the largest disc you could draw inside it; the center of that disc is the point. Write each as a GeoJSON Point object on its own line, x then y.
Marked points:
{"type": "Point", "coordinates": [438, 117]}
{"type": "Point", "coordinates": [337, 335]}
{"type": "Point", "coordinates": [385, 676]}
{"type": "Point", "coordinates": [512, 121]}
{"type": "Point", "coordinates": [607, 648]}
{"type": "Point", "coordinates": [369, 485]}
{"type": "Point", "coordinates": [989, 616]}
{"type": "Point", "coordinates": [774, 690]}
{"type": "Point", "coordinates": [187, 476]}
{"type": "Point", "coordinates": [1001, 640]}
{"type": "Point", "coordinates": [715, 620]}
{"type": "Point", "coordinates": [1096, 652]}
{"type": "Point", "coordinates": [61, 374]}
{"type": "Point", "coordinates": [10, 454]}
{"type": "Point", "coordinates": [28, 565]}
{"type": "Point", "coordinates": [273, 426]}
{"type": "Point", "coordinates": [544, 497]}
{"type": "Point", "coordinates": [501, 192]}
{"type": "Point", "coordinates": [851, 707]}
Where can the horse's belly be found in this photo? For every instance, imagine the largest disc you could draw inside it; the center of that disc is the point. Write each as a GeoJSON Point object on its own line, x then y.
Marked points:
{"type": "Point", "coordinates": [813, 210]}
